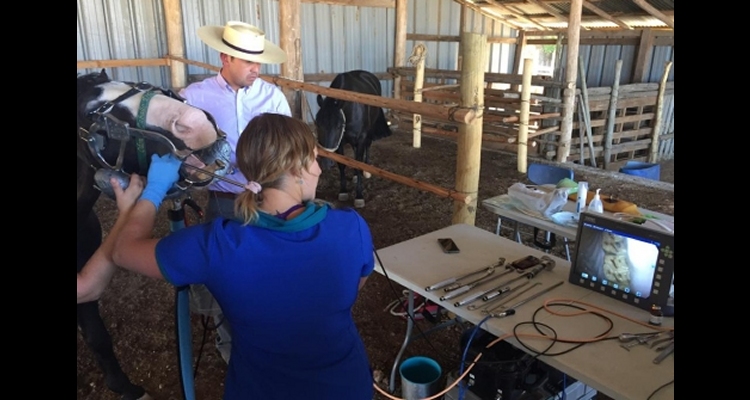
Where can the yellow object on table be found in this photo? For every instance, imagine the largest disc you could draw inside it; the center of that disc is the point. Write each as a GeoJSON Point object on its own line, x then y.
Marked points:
{"type": "Point", "coordinates": [611, 204]}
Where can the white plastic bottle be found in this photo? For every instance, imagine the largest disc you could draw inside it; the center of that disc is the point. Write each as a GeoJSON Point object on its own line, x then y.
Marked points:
{"type": "Point", "coordinates": [582, 195]}
{"type": "Point", "coordinates": [596, 203]}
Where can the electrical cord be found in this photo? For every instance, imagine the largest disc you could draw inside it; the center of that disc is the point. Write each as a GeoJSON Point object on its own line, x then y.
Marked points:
{"type": "Point", "coordinates": [660, 388]}
{"type": "Point", "coordinates": [390, 283]}
{"type": "Point", "coordinates": [547, 306]}
{"type": "Point", "coordinates": [391, 307]}
{"type": "Point", "coordinates": [555, 340]}
{"type": "Point", "coordinates": [462, 361]}
{"type": "Point", "coordinates": [461, 387]}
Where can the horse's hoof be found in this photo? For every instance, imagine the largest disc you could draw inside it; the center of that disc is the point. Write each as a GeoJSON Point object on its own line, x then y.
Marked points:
{"type": "Point", "coordinates": [145, 396]}
{"type": "Point", "coordinates": [343, 196]}
{"type": "Point", "coordinates": [359, 203]}
{"type": "Point", "coordinates": [367, 175]}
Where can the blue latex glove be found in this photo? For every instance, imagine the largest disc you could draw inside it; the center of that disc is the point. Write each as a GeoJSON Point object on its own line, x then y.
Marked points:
{"type": "Point", "coordinates": [162, 174]}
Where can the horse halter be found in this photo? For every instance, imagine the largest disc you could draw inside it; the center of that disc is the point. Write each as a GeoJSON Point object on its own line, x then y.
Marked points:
{"type": "Point", "coordinates": [341, 135]}
{"type": "Point", "coordinates": [206, 164]}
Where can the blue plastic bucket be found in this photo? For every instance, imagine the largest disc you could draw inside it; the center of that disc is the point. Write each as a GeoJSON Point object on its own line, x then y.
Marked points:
{"type": "Point", "coordinates": [420, 378]}
{"type": "Point", "coordinates": [642, 169]}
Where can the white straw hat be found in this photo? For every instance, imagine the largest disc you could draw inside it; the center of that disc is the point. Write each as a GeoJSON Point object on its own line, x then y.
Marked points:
{"type": "Point", "coordinates": [242, 40]}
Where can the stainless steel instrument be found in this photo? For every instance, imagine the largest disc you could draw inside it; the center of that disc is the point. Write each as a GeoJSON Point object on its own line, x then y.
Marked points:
{"type": "Point", "coordinates": [449, 281]}
{"type": "Point", "coordinates": [526, 300]}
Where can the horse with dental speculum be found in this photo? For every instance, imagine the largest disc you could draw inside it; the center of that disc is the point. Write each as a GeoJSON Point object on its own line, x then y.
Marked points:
{"type": "Point", "coordinates": [120, 125]}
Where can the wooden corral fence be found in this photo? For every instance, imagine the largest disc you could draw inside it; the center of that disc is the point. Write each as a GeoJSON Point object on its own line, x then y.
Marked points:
{"type": "Point", "coordinates": [501, 106]}
{"type": "Point", "coordinates": [632, 122]}
{"type": "Point", "coordinates": [466, 115]}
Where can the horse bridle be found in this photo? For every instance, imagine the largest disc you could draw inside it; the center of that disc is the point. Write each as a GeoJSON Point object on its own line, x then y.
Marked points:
{"type": "Point", "coordinates": [115, 129]}
{"type": "Point", "coordinates": [341, 136]}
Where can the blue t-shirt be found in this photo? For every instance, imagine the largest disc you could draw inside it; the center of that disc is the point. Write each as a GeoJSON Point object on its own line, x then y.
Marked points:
{"type": "Point", "coordinates": [288, 288]}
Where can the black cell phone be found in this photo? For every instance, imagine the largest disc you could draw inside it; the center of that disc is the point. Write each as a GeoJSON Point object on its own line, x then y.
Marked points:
{"type": "Point", "coordinates": [525, 263]}
{"type": "Point", "coordinates": [448, 245]}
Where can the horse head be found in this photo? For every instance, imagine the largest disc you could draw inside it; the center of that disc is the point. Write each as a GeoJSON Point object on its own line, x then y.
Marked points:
{"type": "Point", "coordinates": [121, 124]}
{"type": "Point", "coordinates": [330, 124]}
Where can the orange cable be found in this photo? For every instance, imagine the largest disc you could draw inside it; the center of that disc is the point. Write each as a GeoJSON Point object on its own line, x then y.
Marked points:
{"type": "Point", "coordinates": [547, 308]}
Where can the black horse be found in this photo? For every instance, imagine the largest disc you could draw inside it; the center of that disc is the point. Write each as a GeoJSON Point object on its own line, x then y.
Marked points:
{"type": "Point", "coordinates": [120, 125]}
{"type": "Point", "coordinates": [340, 122]}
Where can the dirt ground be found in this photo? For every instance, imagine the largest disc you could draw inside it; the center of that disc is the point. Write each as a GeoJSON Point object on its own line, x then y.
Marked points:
{"type": "Point", "coordinates": [139, 312]}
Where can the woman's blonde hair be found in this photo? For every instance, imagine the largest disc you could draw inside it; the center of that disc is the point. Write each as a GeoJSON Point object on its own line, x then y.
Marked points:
{"type": "Point", "coordinates": [271, 147]}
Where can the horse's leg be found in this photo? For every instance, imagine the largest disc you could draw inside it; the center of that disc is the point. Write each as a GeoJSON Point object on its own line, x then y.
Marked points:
{"type": "Point", "coordinates": [100, 342]}
{"type": "Point", "coordinates": [90, 321]}
{"type": "Point", "coordinates": [366, 174]}
{"type": "Point", "coordinates": [343, 191]}
{"type": "Point", "coordinates": [359, 154]}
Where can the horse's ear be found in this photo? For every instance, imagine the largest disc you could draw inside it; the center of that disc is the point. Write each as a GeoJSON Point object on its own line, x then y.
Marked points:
{"type": "Point", "coordinates": [103, 74]}
{"type": "Point", "coordinates": [320, 101]}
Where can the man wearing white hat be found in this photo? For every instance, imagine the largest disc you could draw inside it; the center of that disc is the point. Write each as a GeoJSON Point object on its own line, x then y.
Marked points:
{"type": "Point", "coordinates": [233, 97]}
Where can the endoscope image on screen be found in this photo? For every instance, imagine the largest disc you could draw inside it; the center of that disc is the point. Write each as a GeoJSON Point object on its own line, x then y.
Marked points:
{"type": "Point", "coordinates": [616, 260]}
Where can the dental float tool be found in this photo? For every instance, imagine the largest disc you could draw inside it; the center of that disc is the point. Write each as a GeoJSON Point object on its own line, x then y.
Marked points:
{"type": "Point", "coordinates": [488, 310]}
{"type": "Point", "coordinates": [213, 175]}
{"type": "Point", "coordinates": [505, 291]}
{"type": "Point", "coordinates": [471, 285]}
{"type": "Point", "coordinates": [504, 285]}
{"type": "Point", "coordinates": [493, 294]}
{"type": "Point", "coordinates": [448, 281]}
{"type": "Point", "coordinates": [510, 310]}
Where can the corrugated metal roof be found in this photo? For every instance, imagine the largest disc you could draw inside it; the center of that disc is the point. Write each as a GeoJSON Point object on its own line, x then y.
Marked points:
{"type": "Point", "coordinates": [540, 14]}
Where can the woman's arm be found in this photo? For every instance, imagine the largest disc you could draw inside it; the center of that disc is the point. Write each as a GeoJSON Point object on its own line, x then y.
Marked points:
{"type": "Point", "coordinates": [99, 269]}
{"type": "Point", "coordinates": [135, 249]}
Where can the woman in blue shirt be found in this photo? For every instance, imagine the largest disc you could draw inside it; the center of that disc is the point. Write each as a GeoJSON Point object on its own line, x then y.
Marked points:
{"type": "Point", "coordinates": [286, 271]}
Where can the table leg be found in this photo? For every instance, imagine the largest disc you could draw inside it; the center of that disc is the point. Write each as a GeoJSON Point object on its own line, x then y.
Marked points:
{"type": "Point", "coordinates": [409, 327]}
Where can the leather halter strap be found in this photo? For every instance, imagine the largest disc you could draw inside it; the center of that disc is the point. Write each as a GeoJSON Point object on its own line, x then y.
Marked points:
{"type": "Point", "coordinates": [148, 93]}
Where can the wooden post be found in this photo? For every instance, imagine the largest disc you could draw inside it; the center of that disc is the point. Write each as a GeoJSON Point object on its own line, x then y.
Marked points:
{"type": "Point", "coordinates": [571, 71]}
{"type": "Point", "coordinates": [289, 41]}
{"type": "Point", "coordinates": [652, 158]}
{"type": "Point", "coordinates": [461, 28]}
{"type": "Point", "coordinates": [523, 127]}
{"type": "Point", "coordinates": [586, 110]}
{"type": "Point", "coordinates": [554, 92]}
{"type": "Point", "coordinates": [520, 46]}
{"type": "Point", "coordinates": [417, 59]}
{"type": "Point", "coordinates": [468, 159]}
{"type": "Point", "coordinates": [611, 115]}
{"type": "Point", "coordinates": [643, 56]}
{"type": "Point", "coordinates": [175, 43]}
{"type": "Point", "coordinates": [399, 48]}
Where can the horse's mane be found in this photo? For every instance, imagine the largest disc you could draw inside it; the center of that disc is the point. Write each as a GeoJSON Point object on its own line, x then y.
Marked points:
{"type": "Point", "coordinates": [92, 79]}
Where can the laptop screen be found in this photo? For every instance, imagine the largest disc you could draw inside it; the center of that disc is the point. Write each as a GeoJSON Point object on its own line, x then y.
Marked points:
{"type": "Point", "coordinates": [623, 260]}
